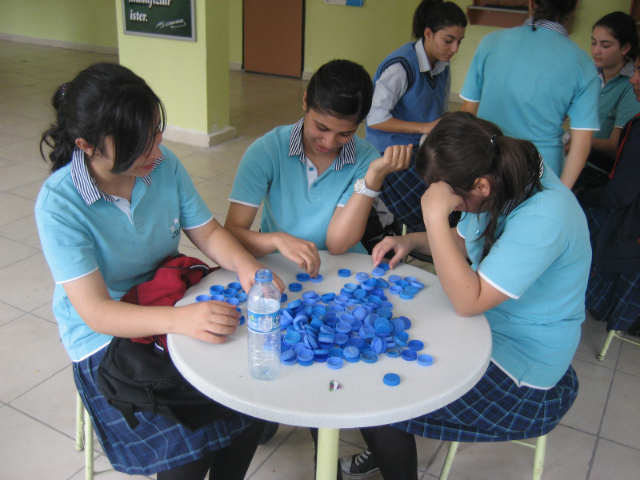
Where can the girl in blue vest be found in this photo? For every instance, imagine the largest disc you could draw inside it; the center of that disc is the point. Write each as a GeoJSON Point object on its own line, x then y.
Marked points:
{"type": "Point", "coordinates": [528, 243]}
{"type": "Point", "coordinates": [412, 88]}
{"type": "Point", "coordinates": [113, 208]}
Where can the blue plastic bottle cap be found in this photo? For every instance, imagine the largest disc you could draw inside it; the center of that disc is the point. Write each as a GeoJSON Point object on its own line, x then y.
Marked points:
{"type": "Point", "coordinates": [384, 312]}
{"type": "Point", "coordinates": [393, 352]}
{"type": "Point", "coordinates": [402, 283]}
{"type": "Point", "coordinates": [361, 276]}
{"type": "Point", "coordinates": [335, 363]}
{"type": "Point", "coordinates": [288, 357]}
{"type": "Point", "coordinates": [404, 336]}
{"type": "Point", "coordinates": [351, 352]}
{"type": "Point", "coordinates": [382, 283]}
{"type": "Point", "coordinates": [377, 272]}
{"type": "Point", "coordinates": [233, 301]}
{"type": "Point", "coordinates": [409, 354]}
{"type": "Point", "coordinates": [350, 287]}
{"type": "Point", "coordinates": [378, 345]}
{"type": "Point", "coordinates": [242, 319]}
{"type": "Point", "coordinates": [295, 287]}
{"type": "Point", "coordinates": [344, 272]}
{"type": "Point", "coordinates": [317, 279]}
{"type": "Point", "coordinates": [410, 279]}
{"type": "Point", "coordinates": [235, 285]}
{"type": "Point", "coordinates": [203, 298]}
{"type": "Point", "coordinates": [395, 289]}
{"type": "Point", "coordinates": [327, 297]}
{"type": "Point", "coordinates": [391, 379]}
{"type": "Point", "coordinates": [302, 277]}
{"type": "Point", "coordinates": [305, 355]}
{"type": "Point", "coordinates": [230, 292]}
{"type": "Point", "coordinates": [412, 289]}
{"type": "Point", "coordinates": [295, 304]}
{"type": "Point", "coordinates": [418, 285]}
{"type": "Point", "coordinates": [292, 338]}
{"type": "Point", "coordinates": [384, 266]}
{"type": "Point", "coordinates": [359, 293]}
{"type": "Point", "coordinates": [216, 289]}
{"type": "Point", "coordinates": [406, 295]}
{"type": "Point", "coordinates": [217, 298]}
{"type": "Point", "coordinates": [242, 297]}
{"type": "Point", "coordinates": [283, 298]}
{"type": "Point", "coordinates": [355, 342]}
{"type": "Point", "coordinates": [369, 357]}
{"type": "Point", "coordinates": [309, 294]}
{"type": "Point", "coordinates": [416, 345]}
{"type": "Point", "coordinates": [394, 278]}
{"type": "Point", "coordinates": [343, 327]}
{"type": "Point", "coordinates": [425, 360]}
{"type": "Point", "coordinates": [340, 339]}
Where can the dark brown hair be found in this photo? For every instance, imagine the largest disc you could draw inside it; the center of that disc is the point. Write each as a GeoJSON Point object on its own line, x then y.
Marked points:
{"type": "Point", "coordinates": [463, 148]}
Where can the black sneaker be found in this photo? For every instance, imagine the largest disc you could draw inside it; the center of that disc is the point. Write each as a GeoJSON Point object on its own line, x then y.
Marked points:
{"type": "Point", "coordinates": [359, 464]}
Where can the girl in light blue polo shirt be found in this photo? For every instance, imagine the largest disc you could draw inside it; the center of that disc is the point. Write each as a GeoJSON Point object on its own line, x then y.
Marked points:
{"type": "Point", "coordinates": [528, 242]}
{"type": "Point", "coordinates": [316, 179]}
{"type": "Point", "coordinates": [112, 210]}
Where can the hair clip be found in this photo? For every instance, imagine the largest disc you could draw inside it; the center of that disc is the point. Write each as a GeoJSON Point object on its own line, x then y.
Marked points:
{"type": "Point", "coordinates": [63, 87]}
{"type": "Point", "coordinates": [493, 140]}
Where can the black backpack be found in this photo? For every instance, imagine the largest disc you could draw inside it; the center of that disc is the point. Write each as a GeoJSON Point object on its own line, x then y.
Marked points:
{"type": "Point", "coordinates": [135, 377]}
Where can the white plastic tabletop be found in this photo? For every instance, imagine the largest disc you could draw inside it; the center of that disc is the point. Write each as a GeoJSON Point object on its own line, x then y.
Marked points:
{"type": "Point", "coordinates": [461, 348]}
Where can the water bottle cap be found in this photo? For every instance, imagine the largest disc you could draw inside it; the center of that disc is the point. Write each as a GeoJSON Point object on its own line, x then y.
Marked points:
{"type": "Point", "coordinates": [425, 360]}
{"type": "Point", "coordinates": [302, 277]}
{"type": "Point", "coordinates": [377, 272]}
{"type": "Point", "coordinates": [391, 379]}
{"type": "Point", "coordinates": [203, 298]}
{"type": "Point", "coordinates": [409, 355]}
{"type": "Point", "coordinates": [393, 352]}
{"type": "Point", "coordinates": [334, 363]}
{"type": "Point", "coordinates": [416, 345]}
{"type": "Point", "coordinates": [344, 272]}
{"type": "Point", "coordinates": [235, 285]}
{"type": "Point", "coordinates": [295, 287]}
{"type": "Point", "coordinates": [317, 279]}
{"type": "Point", "coordinates": [264, 275]}
{"type": "Point", "coordinates": [384, 266]}
{"type": "Point", "coordinates": [369, 357]}
{"type": "Point", "coordinates": [394, 278]}
{"type": "Point", "coordinates": [216, 289]}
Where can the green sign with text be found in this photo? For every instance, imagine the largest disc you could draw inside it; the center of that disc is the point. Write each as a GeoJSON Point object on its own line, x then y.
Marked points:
{"type": "Point", "coordinates": [173, 19]}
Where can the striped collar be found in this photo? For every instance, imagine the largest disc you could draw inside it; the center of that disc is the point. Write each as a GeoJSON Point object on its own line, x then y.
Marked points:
{"type": "Point", "coordinates": [549, 25]}
{"type": "Point", "coordinates": [88, 187]}
{"type": "Point", "coordinates": [627, 71]}
{"type": "Point", "coordinates": [296, 148]}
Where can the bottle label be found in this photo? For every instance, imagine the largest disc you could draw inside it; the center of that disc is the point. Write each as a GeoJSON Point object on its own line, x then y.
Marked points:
{"type": "Point", "coordinates": [263, 322]}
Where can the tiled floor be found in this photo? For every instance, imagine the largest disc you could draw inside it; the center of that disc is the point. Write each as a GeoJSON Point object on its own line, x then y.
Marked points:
{"type": "Point", "coordinates": [598, 439]}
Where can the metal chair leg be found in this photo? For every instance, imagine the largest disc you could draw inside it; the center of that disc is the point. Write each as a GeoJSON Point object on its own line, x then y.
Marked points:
{"type": "Point", "coordinates": [453, 448]}
{"type": "Point", "coordinates": [607, 342]}
{"type": "Point", "coordinates": [88, 449]}
{"type": "Point", "coordinates": [79, 424]}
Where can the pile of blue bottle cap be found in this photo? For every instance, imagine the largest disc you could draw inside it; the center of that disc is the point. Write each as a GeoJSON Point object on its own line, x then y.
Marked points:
{"type": "Point", "coordinates": [233, 294]}
{"type": "Point", "coordinates": [357, 324]}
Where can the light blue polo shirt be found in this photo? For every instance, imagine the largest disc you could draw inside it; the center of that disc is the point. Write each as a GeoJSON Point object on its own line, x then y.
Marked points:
{"type": "Point", "coordinates": [274, 170]}
{"type": "Point", "coordinates": [528, 81]}
{"type": "Point", "coordinates": [82, 232]}
{"type": "Point", "coordinates": [541, 260]}
{"type": "Point", "coordinates": [617, 103]}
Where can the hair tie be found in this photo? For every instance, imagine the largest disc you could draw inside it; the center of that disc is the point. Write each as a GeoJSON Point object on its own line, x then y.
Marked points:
{"type": "Point", "coordinates": [63, 87]}
{"type": "Point", "coordinates": [493, 140]}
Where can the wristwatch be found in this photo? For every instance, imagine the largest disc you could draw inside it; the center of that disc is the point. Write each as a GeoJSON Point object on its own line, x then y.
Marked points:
{"type": "Point", "coordinates": [361, 187]}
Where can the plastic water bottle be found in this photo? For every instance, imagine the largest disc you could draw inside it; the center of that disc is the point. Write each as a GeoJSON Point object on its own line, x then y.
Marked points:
{"type": "Point", "coordinates": [263, 327]}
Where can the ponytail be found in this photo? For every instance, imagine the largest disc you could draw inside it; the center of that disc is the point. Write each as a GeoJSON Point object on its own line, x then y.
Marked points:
{"type": "Point", "coordinates": [56, 136]}
{"type": "Point", "coordinates": [558, 11]}
{"type": "Point", "coordinates": [463, 148]}
{"type": "Point", "coordinates": [436, 15]}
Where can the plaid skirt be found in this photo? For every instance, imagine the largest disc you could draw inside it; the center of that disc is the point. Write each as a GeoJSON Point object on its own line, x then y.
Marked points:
{"type": "Point", "coordinates": [402, 194]}
{"type": "Point", "coordinates": [613, 297]}
{"type": "Point", "coordinates": [156, 444]}
{"type": "Point", "coordinates": [497, 410]}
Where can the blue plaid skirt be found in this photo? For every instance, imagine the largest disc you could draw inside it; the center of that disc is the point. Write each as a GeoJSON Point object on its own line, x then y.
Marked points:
{"type": "Point", "coordinates": [156, 444]}
{"type": "Point", "coordinates": [402, 194]}
{"type": "Point", "coordinates": [613, 297]}
{"type": "Point", "coordinates": [497, 410]}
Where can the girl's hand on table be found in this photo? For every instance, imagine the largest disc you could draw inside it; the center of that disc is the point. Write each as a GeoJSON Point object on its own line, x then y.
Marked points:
{"type": "Point", "coordinates": [247, 275]}
{"type": "Point", "coordinates": [302, 252]}
{"type": "Point", "coordinates": [440, 200]}
{"type": "Point", "coordinates": [209, 321]}
{"type": "Point", "coordinates": [402, 246]}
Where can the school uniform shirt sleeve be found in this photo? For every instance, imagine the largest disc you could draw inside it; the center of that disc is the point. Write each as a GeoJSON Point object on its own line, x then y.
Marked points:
{"type": "Point", "coordinates": [68, 247]}
{"type": "Point", "coordinates": [255, 173]}
{"type": "Point", "coordinates": [526, 248]}
{"type": "Point", "coordinates": [627, 108]}
{"type": "Point", "coordinates": [583, 110]}
{"type": "Point", "coordinates": [389, 88]}
{"type": "Point", "coordinates": [365, 154]}
{"type": "Point", "coordinates": [473, 82]}
{"type": "Point", "coordinates": [193, 210]}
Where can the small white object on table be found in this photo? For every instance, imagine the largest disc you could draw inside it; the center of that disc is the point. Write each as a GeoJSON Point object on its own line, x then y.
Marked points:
{"type": "Point", "coordinates": [460, 347]}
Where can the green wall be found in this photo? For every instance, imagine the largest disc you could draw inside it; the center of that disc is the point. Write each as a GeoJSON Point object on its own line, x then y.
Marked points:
{"type": "Point", "coordinates": [89, 22]}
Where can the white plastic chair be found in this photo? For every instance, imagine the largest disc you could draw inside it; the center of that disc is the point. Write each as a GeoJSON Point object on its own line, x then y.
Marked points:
{"type": "Point", "coordinates": [538, 461]}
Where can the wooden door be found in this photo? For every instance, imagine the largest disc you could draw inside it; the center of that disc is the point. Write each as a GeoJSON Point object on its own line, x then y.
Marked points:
{"type": "Point", "coordinates": [273, 36]}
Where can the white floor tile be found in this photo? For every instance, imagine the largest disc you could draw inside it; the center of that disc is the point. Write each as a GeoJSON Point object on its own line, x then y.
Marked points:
{"type": "Point", "coordinates": [613, 461]}
{"type": "Point", "coordinates": [27, 284]}
{"type": "Point", "coordinates": [621, 421]}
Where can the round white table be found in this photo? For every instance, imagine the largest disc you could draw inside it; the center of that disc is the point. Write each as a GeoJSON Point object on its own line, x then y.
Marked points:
{"type": "Point", "coordinates": [460, 347]}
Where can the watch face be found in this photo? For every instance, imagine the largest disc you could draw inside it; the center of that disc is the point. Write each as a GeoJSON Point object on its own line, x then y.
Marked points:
{"type": "Point", "coordinates": [359, 185]}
